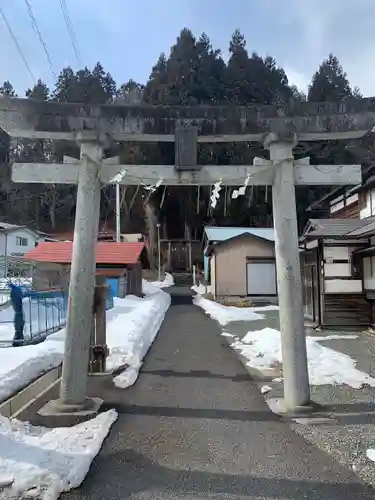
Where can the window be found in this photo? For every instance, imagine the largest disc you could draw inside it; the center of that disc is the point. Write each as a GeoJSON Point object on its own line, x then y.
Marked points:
{"type": "Point", "coordinates": [20, 241]}
{"type": "Point", "coordinates": [356, 266]}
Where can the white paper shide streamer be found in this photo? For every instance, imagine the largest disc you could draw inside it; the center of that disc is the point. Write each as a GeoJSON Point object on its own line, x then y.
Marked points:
{"type": "Point", "coordinates": [153, 188]}
{"type": "Point", "coordinates": [241, 191]}
{"type": "Point", "coordinates": [216, 193]}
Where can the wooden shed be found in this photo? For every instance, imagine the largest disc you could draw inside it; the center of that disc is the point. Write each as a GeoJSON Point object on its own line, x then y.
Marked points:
{"type": "Point", "coordinates": [113, 260]}
{"type": "Point", "coordinates": [243, 266]}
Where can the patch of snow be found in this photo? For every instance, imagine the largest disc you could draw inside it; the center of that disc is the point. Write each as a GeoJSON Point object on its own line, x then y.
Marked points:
{"type": "Point", "coordinates": [167, 282]}
{"type": "Point", "coordinates": [20, 365]}
{"type": "Point", "coordinates": [265, 389]}
{"type": "Point", "coordinates": [132, 325]}
{"type": "Point", "coordinates": [201, 289]}
{"type": "Point", "coordinates": [227, 314]}
{"type": "Point", "coordinates": [6, 480]}
{"type": "Point", "coordinates": [370, 453]}
{"type": "Point", "coordinates": [130, 335]}
{"type": "Point", "coordinates": [262, 349]}
{"type": "Point", "coordinates": [225, 334]}
{"type": "Point", "coordinates": [335, 337]}
{"type": "Point", "coordinates": [42, 463]}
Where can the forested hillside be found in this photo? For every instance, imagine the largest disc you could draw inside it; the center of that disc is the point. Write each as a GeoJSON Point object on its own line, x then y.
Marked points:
{"type": "Point", "coordinates": [192, 73]}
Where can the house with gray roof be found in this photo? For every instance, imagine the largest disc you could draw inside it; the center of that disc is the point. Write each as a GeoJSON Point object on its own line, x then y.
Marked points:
{"type": "Point", "coordinates": [240, 262]}
{"type": "Point", "coordinates": [333, 275]}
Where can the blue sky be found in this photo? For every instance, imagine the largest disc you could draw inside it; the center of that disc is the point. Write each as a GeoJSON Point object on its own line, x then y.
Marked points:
{"type": "Point", "coordinates": [127, 36]}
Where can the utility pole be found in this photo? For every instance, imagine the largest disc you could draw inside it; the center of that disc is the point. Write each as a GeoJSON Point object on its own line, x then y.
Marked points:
{"type": "Point", "coordinates": [118, 213]}
{"type": "Point", "coordinates": [159, 253]}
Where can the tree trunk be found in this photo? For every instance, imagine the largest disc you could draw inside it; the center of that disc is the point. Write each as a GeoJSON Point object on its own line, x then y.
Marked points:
{"type": "Point", "coordinates": [152, 233]}
{"type": "Point", "coordinates": [52, 209]}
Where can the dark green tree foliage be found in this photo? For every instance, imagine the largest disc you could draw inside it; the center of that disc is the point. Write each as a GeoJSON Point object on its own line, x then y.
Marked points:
{"type": "Point", "coordinates": [6, 89]}
{"type": "Point", "coordinates": [330, 82]}
{"type": "Point", "coordinates": [193, 73]}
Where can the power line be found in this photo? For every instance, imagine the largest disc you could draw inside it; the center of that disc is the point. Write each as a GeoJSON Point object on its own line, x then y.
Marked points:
{"type": "Point", "coordinates": [14, 38]}
{"type": "Point", "coordinates": [69, 27]}
{"type": "Point", "coordinates": [35, 27]}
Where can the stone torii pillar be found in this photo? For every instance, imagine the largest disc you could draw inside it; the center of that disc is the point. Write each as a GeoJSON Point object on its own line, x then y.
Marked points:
{"type": "Point", "coordinates": [292, 325]}
{"type": "Point", "coordinates": [82, 281]}
{"type": "Point", "coordinates": [286, 173]}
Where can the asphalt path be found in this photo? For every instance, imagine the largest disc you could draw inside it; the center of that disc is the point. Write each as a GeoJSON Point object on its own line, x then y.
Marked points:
{"type": "Point", "coordinates": [195, 427]}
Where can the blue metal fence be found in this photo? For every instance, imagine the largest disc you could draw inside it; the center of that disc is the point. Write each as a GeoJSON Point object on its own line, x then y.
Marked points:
{"type": "Point", "coordinates": [44, 313]}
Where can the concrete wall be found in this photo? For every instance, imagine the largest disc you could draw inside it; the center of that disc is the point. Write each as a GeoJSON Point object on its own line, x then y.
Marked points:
{"type": "Point", "coordinates": [231, 261]}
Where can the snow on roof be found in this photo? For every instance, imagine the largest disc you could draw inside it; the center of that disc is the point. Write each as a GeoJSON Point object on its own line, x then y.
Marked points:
{"type": "Point", "coordinates": [216, 234]}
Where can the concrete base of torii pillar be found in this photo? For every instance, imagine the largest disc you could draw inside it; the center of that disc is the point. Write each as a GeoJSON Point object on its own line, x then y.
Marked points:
{"type": "Point", "coordinates": [292, 328]}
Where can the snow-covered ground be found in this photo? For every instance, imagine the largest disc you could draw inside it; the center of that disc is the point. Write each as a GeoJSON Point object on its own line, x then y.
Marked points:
{"type": "Point", "coordinates": [201, 289]}
{"type": "Point", "coordinates": [41, 463]}
{"type": "Point", "coordinates": [167, 282]}
{"type": "Point", "coordinates": [36, 462]}
{"type": "Point", "coordinates": [262, 349]}
{"type": "Point", "coordinates": [227, 314]}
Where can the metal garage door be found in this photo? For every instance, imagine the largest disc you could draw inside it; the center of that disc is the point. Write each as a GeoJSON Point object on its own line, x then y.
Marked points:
{"type": "Point", "coordinates": [261, 278]}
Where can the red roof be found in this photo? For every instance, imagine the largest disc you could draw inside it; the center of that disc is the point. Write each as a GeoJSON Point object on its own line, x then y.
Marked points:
{"type": "Point", "coordinates": [106, 252]}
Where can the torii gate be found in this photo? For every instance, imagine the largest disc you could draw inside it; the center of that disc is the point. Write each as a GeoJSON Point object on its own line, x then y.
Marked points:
{"type": "Point", "coordinates": [279, 129]}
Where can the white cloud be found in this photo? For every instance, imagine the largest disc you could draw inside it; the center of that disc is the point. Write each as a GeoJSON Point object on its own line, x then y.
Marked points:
{"type": "Point", "coordinates": [298, 79]}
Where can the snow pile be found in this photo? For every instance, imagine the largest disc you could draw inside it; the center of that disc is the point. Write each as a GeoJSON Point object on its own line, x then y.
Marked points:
{"type": "Point", "coordinates": [42, 463]}
{"type": "Point", "coordinates": [262, 349]}
{"type": "Point", "coordinates": [132, 325]}
{"type": "Point", "coordinates": [132, 328]}
{"type": "Point", "coordinates": [227, 314]}
{"type": "Point", "coordinates": [201, 289]}
{"type": "Point", "coordinates": [20, 365]}
{"type": "Point", "coordinates": [167, 282]}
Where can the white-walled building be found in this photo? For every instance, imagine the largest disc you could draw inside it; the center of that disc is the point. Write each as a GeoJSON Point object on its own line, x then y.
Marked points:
{"type": "Point", "coordinates": [338, 259]}
{"type": "Point", "coordinates": [15, 241]}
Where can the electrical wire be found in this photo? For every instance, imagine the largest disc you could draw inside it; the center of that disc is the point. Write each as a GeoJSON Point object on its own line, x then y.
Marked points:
{"type": "Point", "coordinates": [35, 27]}
{"type": "Point", "coordinates": [14, 38]}
{"type": "Point", "coordinates": [72, 36]}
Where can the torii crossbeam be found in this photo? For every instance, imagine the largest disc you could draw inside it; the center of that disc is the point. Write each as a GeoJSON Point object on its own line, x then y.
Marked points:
{"type": "Point", "coordinates": [279, 128]}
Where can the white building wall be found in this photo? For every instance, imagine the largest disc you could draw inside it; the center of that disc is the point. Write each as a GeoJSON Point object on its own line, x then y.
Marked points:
{"type": "Point", "coordinates": [369, 208]}
{"type": "Point", "coordinates": [336, 274]}
{"type": "Point", "coordinates": [369, 273]}
{"type": "Point", "coordinates": [17, 243]}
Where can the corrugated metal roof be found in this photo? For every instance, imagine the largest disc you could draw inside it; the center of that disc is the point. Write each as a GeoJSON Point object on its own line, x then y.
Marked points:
{"type": "Point", "coordinates": [226, 233]}
{"type": "Point", "coordinates": [367, 229]}
{"type": "Point", "coordinates": [336, 227]}
{"type": "Point", "coordinates": [106, 252]}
